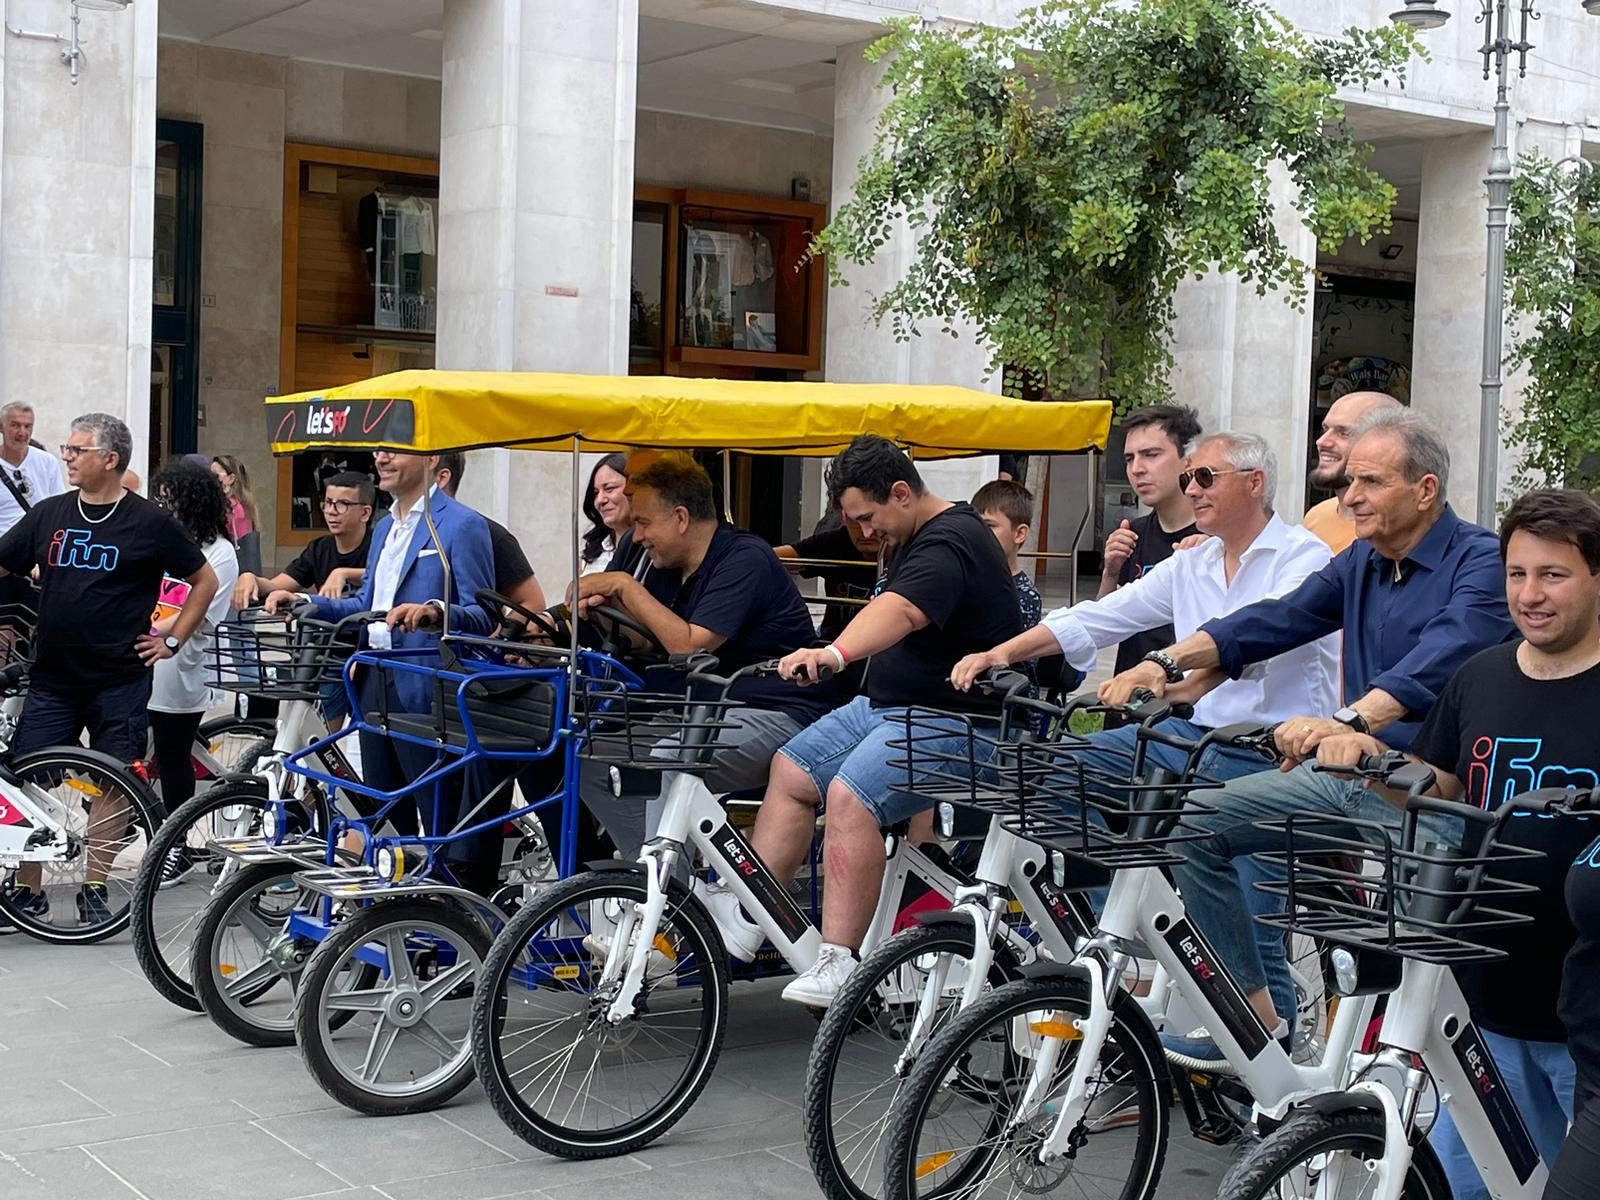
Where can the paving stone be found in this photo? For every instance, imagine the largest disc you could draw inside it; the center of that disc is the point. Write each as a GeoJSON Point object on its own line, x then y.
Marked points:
{"type": "Point", "coordinates": [92, 1131]}
{"type": "Point", "coordinates": [367, 1150]}
{"type": "Point", "coordinates": [230, 1162]}
{"type": "Point", "coordinates": [67, 1174]}
{"type": "Point", "coordinates": [520, 1178]}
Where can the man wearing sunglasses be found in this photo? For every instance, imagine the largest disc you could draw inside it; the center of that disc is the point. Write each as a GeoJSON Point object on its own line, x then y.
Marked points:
{"type": "Point", "coordinates": [1251, 554]}
{"type": "Point", "coordinates": [1419, 593]}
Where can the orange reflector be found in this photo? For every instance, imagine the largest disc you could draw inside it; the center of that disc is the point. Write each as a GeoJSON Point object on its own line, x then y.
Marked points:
{"type": "Point", "coordinates": [1065, 1030]}
{"type": "Point", "coordinates": [84, 786]}
{"type": "Point", "coordinates": [665, 947]}
{"type": "Point", "coordinates": [933, 1162]}
{"type": "Point", "coordinates": [226, 968]}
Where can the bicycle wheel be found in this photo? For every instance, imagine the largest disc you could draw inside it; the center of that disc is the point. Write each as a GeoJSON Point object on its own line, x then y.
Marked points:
{"type": "Point", "coordinates": [560, 1073]}
{"type": "Point", "coordinates": [908, 988]}
{"type": "Point", "coordinates": [383, 1012]}
{"type": "Point", "coordinates": [109, 817]}
{"type": "Point", "coordinates": [1328, 1156]}
{"type": "Point", "coordinates": [241, 952]}
{"type": "Point", "coordinates": [179, 874]}
{"type": "Point", "coordinates": [958, 1129]}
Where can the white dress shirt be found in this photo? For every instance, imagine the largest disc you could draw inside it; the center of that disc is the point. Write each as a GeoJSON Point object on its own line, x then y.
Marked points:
{"type": "Point", "coordinates": [386, 575]}
{"type": "Point", "coordinates": [1190, 589]}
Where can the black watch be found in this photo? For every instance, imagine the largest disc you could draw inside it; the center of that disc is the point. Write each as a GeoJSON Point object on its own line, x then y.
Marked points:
{"type": "Point", "coordinates": [1349, 716]}
{"type": "Point", "coordinates": [171, 643]}
{"type": "Point", "coordinates": [1168, 665]}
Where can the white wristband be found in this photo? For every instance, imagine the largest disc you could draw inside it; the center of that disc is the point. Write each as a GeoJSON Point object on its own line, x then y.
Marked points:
{"type": "Point", "coordinates": [838, 656]}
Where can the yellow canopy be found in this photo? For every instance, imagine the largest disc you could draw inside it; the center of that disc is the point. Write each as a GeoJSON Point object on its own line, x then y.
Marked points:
{"type": "Point", "coordinates": [435, 411]}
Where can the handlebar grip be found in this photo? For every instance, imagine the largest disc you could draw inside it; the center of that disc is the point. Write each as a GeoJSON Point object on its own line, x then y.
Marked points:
{"type": "Point", "coordinates": [824, 671]}
{"type": "Point", "coordinates": [1003, 681]}
{"type": "Point", "coordinates": [13, 674]}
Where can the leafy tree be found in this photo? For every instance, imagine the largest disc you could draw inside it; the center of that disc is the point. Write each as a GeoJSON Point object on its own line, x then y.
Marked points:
{"type": "Point", "coordinates": [1553, 269]}
{"type": "Point", "coordinates": [1061, 177]}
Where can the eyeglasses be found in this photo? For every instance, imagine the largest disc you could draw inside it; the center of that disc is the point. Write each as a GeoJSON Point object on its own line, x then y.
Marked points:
{"type": "Point", "coordinates": [340, 507]}
{"type": "Point", "coordinates": [70, 452]}
{"type": "Point", "coordinates": [1206, 477]}
{"type": "Point", "coordinates": [23, 486]}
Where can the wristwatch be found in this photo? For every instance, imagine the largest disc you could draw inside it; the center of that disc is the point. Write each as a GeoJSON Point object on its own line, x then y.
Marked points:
{"type": "Point", "coordinates": [1167, 663]}
{"type": "Point", "coordinates": [171, 643]}
{"type": "Point", "coordinates": [1349, 716]}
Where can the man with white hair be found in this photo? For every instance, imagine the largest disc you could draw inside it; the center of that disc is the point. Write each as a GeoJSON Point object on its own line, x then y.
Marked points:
{"type": "Point", "coordinates": [29, 474]}
{"type": "Point", "coordinates": [1252, 554]}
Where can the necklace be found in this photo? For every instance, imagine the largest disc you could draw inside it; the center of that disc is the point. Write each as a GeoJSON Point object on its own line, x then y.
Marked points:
{"type": "Point", "coordinates": [99, 520]}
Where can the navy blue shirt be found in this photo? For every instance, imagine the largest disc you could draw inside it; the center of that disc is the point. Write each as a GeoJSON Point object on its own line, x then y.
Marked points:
{"type": "Point", "coordinates": [1408, 627]}
{"type": "Point", "coordinates": [742, 592]}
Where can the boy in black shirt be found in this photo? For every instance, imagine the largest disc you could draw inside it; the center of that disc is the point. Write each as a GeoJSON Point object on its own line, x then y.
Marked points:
{"type": "Point", "coordinates": [329, 562]}
{"type": "Point", "coordinates": [736, 601]}
{"type": "Point", "coordinates": [1511, 720]}
{"type": "Point", "coordinates": [101, 552]}
{"type": "Point", "coordinates": [946, 589]}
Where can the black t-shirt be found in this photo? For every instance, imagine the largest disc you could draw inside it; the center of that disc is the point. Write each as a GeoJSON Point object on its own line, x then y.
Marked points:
{"type": "Point", "coordinates": [955, 572]}
{"type": "Point", "coordinates": [1503, 734]}
{"type": "Point", "coordinates": [742, 592]}
{"type": "Point", "coordinates": [1580, 982]}
{"type": "Point", "coordinates": [1154, 546]}
{"type": "Point", "coordinates": [511, 566]}
{"type": "Point", "coordinates": [312, 566]}
{"type": "Point", "coordinates": [99, 579]}
{"type": "Point", "coordinates": [832, 541]}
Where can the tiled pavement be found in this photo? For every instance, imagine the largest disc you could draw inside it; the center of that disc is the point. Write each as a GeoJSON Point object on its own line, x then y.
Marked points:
{"type": "Point", "coordinates": [107, 1092]}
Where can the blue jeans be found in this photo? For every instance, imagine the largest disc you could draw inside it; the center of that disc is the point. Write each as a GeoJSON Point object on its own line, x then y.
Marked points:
{"type": "Point", "coordinates": [1218, 869]}
{"type": "Point", "coordinates": [1113, 755]}
{"type": "Point", "coordinates": [851, 744]}
{"type": "Point", "coordinates": [1541, 1078]}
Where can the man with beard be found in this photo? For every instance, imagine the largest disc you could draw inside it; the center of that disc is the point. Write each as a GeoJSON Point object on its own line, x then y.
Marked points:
{"type": "Point", "coordinates": [1331, 520]}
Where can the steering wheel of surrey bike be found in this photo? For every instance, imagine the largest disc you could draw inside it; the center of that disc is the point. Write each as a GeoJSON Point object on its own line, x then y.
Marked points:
{"type": "Point", "coordinates": [497, 605]}
{"type": "Point", "coordinates": [607, 624]}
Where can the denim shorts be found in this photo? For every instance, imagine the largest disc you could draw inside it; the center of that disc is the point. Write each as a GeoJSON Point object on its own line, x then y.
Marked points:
{"type": "Point", "coordinates": [851, 745]}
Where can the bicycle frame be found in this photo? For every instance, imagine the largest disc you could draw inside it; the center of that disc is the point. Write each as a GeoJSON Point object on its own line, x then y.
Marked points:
{"type": "Point", "coordinates": [1144, 917]}
{"type": "Point", "coordinates": [1428, 1017]}
{"type": "Point", "coordinates": [32, 826]}
{"type": "Point", "coordinates": [692, 816]}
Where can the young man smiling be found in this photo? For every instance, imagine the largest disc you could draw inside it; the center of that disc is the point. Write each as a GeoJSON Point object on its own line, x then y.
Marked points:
{"type": "Point", "coordinates": [1507, 723]}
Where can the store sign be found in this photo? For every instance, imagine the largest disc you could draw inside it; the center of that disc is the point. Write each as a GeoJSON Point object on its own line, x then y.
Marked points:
{"type": "Point", "coordinates": [386, 422]}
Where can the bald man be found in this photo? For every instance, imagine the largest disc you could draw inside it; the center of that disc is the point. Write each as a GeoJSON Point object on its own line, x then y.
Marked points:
{"type": "Point", "coordinates": [1330, 520]}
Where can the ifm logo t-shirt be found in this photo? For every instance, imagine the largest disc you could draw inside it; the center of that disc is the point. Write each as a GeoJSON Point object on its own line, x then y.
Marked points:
{"type": "Point", "coordinates": [100, 569]}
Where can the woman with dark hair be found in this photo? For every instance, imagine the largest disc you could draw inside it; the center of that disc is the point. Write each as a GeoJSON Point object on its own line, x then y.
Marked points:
{"type": "Point", "coordinates": [179, 696]}
{"type": "Point", "coordinates": [609, 512]}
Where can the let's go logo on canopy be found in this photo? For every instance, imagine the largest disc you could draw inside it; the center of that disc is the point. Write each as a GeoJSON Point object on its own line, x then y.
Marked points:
{"type": "Point", "coordinates": [323, 420]}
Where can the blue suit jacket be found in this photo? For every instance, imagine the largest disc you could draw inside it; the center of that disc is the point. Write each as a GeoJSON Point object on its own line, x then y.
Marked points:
{"type": "Point", "coordinates": [465, 535]}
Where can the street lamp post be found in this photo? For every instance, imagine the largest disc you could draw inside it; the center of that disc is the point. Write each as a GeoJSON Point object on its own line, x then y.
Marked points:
{"type": "Point", "coordinates": [1497, 49]}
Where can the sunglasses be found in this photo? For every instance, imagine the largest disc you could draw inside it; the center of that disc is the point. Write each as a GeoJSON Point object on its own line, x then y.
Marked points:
{"type": "Point", "coordinates": [1206, 477]}
{"type": "Point", "coordinates": [22, 483]}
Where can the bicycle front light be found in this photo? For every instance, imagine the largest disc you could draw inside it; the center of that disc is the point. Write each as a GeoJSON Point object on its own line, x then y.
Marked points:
{"type": "Point", "coordinates": [272, 824]}
{"type": "Point", "coordinates": [1058, 868]}
{"type": "Point", "coordinates": [390, 863]}
{"type": "Point", "coordinates": [1346, 972]}
{"type": "Point", "coordinates": [946, 819]}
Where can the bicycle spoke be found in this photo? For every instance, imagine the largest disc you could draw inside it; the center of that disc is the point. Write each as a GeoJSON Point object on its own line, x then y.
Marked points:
{"type": "Point", "coordinates": [384, 1034]}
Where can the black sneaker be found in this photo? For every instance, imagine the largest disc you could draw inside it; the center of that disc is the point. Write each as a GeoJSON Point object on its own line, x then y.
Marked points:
{"type": "Point", "coordinates": [179, 865]}
{"type": "Point", "coordinates": [28, 902]}
{"type": "Point", "coordinates": [92, 906]}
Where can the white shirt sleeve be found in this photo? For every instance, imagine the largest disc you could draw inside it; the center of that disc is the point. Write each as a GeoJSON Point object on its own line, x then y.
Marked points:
{"type": "Point", "coordinates": [1090, 625]}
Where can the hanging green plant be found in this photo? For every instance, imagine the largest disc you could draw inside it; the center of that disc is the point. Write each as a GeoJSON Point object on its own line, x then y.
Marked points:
{"type": "Point", "coordinates": [1061, 177]}
{"type": "Point", "coordinates": [1553, 281]}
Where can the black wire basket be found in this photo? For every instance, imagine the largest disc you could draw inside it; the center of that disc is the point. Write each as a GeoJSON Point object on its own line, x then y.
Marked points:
{"type": "Point", "coordinates": [1347, 881]}
{"type": "Point", "coordinates": [1114, 817]}
{"type": "Point", "coordinates": [272, 659]}
{"type": "Point", "coordinates": [649, 730]}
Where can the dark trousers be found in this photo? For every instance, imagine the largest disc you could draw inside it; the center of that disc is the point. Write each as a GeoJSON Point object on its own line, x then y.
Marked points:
{"type": "Point", "coordinates": [1578, 1165]}
{"type": "Point", "coordinates": [388, 764]}
{"type": "Point", "coordinates": [116, 716]}
{"type": "Point", "coordinates": [172, 734]}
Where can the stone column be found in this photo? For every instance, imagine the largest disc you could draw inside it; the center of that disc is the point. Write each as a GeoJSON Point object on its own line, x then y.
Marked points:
{"type": "Point", "coordinates": [77, 181]}
{"type": "Point", "coordinates": [858, 351]}
{"type": "Point", "coordinates": [1243, 361]}
{"type": "Point", "coordinates": [536, 218]}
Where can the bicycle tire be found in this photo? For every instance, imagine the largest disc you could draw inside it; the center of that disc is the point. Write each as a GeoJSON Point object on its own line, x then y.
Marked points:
{"type": "Point", "coordinates": [944, 1075]}
{"type": "Point", "coordinates": [257, 735]}
{"type": "Point", "coordinates": [164, 960]}
{"type": "Point", "coordinates": [1309, 1133]}
{"type": "Point", "coordinates": [260, 1030]}
{"type": "Point", "coordinates": [145, 817]}
{"type": "Point", "coordinates": [313, 1032]}
{"type": "Point", "coordinates": [856, 1012]}
{"type": "Point", "coordinates": [698, 944]}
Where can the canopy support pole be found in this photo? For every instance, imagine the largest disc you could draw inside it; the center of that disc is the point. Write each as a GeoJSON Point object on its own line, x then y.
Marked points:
{"type": "Point", "coordinates": [727, 486]}
{"type": "Point", "coordinates": [577, 569]}
{"type": "Point", "coordinates": [444, 559]}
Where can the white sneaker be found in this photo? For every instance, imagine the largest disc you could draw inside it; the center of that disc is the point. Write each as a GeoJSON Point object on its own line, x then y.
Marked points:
{"type": "Point", "coordinates": [817, 987]}
{"type": "Point", "coordinates": [741, 937]}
